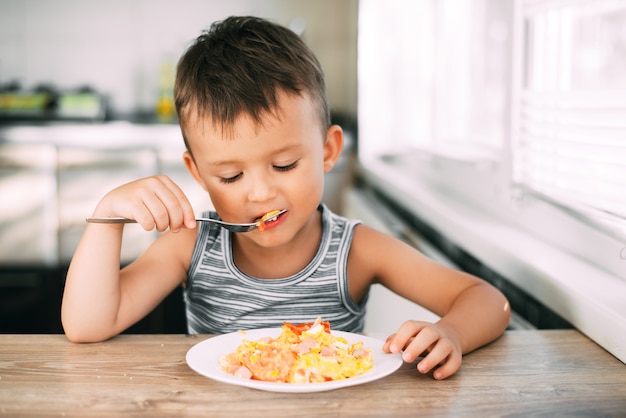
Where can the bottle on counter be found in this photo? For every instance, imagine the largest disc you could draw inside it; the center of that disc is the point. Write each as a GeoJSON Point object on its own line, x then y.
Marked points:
{"type": "Point", "coordinates": [165, 109]}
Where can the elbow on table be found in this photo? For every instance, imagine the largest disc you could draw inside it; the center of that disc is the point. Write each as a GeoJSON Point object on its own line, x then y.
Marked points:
{"type": "Point", "coordinates": [81, 336]}
{"type": "Point", "coordinates": [497, 310]}
{"type": "Point", "coordinates": [504, 318]}
{"type": "Point", "coordinates": [81, 331]}
{"type": "Point", "coordinates": [501, 309]}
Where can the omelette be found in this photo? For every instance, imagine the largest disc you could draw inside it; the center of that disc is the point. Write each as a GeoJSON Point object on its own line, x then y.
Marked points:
{"type": "Point", "coordinates": [303, 353]}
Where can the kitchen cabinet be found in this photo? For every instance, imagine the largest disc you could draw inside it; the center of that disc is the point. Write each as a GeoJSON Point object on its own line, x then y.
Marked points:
{"type": "Point", "coordinates": [84, 175]}
{"type": "Point", "coordinates": [28, 207]}
{"type": "Point", "coordinates": [51, 178]}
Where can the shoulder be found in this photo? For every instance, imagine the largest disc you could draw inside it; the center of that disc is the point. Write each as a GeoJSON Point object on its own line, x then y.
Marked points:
{"type": "Point", "coordinates": [381, 254]}
{"type": "Point", "coordinates": [374, 255]}
{"type": "Point", "coordinates": [365, 240]}
{"type": "Point", "coordinates": [369, 241]}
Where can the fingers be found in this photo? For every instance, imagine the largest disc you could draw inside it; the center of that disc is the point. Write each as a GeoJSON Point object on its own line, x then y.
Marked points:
{"type": "Point", "coordinates": [404, 337]}
{"type": "Point", "coordinates": [444, 355]}
{"type": "Point", "coordinates": [450, 364]}
{"type": "Point", "coordinates": [171, 207]}
{"type": "Point", "coordinates": [439, 349]}
{"type": "Point", "coordinates": [154, 202]}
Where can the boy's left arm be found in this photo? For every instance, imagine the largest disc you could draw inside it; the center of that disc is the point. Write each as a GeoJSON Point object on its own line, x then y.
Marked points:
{"type": "Point", "coordinates": [473, 313]}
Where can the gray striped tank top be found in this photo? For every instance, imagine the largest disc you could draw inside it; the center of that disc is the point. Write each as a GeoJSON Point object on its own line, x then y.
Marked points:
{"type": "Point", "coordinates": [219, 298]}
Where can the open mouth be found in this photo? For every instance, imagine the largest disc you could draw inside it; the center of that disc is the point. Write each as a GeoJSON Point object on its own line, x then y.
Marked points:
{"type": "Point", "coordinates": [271, 216]}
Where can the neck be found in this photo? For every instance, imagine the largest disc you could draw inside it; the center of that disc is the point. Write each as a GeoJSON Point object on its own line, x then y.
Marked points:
{"type": "Point", "coordinates": [278, 261]}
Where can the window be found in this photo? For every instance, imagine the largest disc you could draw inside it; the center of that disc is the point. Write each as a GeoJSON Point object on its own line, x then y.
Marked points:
{"type": "Point", "coordinates": [517, 107]}
{"type": "Point", "coordinates": [437, 77]}
{"type": "Point", "coordinates": [569, 146]}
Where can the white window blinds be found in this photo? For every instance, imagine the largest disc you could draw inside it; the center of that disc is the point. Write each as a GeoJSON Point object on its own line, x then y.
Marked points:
{"type": "Point", "coordinates": [569, 142]}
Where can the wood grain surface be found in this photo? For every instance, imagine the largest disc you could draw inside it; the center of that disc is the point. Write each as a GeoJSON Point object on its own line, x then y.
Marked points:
{"type": "Point", "coordinates": [524, 373]}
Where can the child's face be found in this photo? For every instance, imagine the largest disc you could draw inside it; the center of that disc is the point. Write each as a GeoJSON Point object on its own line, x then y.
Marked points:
{"type": "Point", "coordinates": [252, 169]}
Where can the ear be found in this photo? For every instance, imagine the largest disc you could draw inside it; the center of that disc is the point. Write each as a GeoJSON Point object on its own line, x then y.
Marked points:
{"type": "Point", "coordinates": [193, 169]}
{"type": "Point", "coordinates": [332, 147]}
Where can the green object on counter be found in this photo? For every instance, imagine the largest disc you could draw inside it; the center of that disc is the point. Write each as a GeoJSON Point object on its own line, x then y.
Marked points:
{"type": "Point", "coordinates": [80, 105]}
{"type": "Point", "coordinates": [23, 102]}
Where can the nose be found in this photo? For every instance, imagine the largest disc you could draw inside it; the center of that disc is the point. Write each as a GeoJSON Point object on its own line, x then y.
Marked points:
{"type": "Point", "coordinates": [261, 188]}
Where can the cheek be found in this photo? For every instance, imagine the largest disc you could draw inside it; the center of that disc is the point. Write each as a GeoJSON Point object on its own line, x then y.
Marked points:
{"type": "Point", "coordinates": [310, 185]}
{"type": "Point", "coordinates": [221, 199]}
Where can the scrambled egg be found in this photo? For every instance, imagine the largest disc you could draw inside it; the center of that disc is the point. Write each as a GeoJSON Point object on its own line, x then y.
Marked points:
{"type": "Point", "coordinates": [300, 354]}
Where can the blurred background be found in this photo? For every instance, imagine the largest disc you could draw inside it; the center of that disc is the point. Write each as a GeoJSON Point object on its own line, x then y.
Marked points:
{"type": "Point", "coordinates": [125, 50]}
{"type": "Point", "coordinates": [489, 134]}
{"type": "Point", "coordinates": [86, 105]}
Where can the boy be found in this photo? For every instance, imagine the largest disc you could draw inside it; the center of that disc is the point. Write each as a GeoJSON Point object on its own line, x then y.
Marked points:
{"type": "Point", "coordinates": [252, 106]}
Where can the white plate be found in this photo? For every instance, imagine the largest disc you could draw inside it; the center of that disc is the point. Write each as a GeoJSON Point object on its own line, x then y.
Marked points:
{"type": "Point", "coordinates": [204, 356]}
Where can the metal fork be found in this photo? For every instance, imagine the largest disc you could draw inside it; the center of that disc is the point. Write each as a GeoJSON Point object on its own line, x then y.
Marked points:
{"type": "Point", "coordinates": [245, 227]}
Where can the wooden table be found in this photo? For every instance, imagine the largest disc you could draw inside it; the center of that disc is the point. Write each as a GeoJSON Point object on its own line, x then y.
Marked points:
{"type": "Point", "coordinates": [524, 373]}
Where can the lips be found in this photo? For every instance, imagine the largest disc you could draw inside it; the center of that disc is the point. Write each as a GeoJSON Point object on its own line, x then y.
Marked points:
{"type": "Point", "coordinates": [269, 220]}
{"type": "Point", "coordinates": [268, 216]}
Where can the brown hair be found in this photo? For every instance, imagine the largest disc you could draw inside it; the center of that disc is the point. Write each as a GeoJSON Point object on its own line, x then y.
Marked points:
{"type": "Point", "coordinates": [240, 65]}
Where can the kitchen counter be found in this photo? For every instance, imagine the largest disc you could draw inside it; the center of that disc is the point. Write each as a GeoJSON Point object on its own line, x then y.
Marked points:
{"type": "Point", "coordinates": [524, 373]}
{"type": "Point", "coordinates": [101, 135]}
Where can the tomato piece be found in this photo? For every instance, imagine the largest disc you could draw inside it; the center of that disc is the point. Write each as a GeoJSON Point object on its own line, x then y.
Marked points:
{"type": "Point", "coordinates": [264, 218]}
{"type": "Point", "coordinates": [298, 329]}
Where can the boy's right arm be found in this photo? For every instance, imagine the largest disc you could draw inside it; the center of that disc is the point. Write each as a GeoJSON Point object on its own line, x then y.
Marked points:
{"type": "Point", "coordinates": [99, 300]}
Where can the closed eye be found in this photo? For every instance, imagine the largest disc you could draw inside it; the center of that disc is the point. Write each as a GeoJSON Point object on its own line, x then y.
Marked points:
{"type": "Point", "coordinates": [281, 168]}
{"type": "Point", "coordinates": [286, 167]}
{"type": "Point", "coordinates": [232, 179]}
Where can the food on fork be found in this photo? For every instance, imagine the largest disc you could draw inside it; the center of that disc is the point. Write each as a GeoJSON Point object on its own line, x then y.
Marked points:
{"type": "Point", "coordinates": [268, 216]}
{"type": "Point", "coordinates": [303, 353]}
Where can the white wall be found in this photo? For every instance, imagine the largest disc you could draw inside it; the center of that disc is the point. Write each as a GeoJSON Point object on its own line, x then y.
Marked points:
{"type": "Point", "coordinates": [117, 46]}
